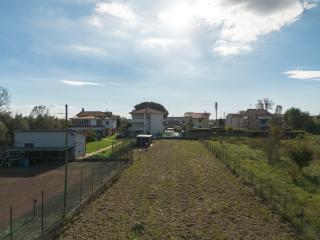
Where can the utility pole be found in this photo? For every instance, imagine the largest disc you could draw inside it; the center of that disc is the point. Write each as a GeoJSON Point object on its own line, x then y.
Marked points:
{"type": "Point", "coordinates": [216, 108]}
{"type": "Point", "coordinates": [66, 165]}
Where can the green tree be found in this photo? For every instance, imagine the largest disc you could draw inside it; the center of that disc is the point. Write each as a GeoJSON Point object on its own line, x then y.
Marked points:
{"type": "Point", "coordinates": [273, 143]}
{"type": "Point", "coordinates": [301, 154]}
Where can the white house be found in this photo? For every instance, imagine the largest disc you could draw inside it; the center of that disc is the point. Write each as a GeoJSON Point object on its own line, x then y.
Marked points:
{"type": "Point", "coordinates": [101, 123]}
{"type": "Point", "coordinates": [49, 144]}
{"type": "Point", "coordinates": [256, 119]}
{"type": "Point", "coordinates": [197, 120]}
{"type": "Point", "coordinates": [148, 120]}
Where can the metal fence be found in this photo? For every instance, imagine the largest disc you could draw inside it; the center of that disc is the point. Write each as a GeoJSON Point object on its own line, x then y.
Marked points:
{"type": "Point", "coordinates": [47, 209]}
{"type": "Point", "coordinates": [281, 200]}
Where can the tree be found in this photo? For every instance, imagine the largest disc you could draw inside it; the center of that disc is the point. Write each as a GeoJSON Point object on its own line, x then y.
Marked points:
{"type": "Point", "coordinates": [39, 110]}
{"type": "Point", "coordinates": [265, 103]}
{"type": "Point", "coordinates": [272, 143]}
{"type": "Point", "coordinates": [301, 154]}
{"type": "Point", "coordinates": [4, 98]}
{"type": "Point", "coordinates": [3, 134]}
{"type": "Point", "coordinates": [295, 118]}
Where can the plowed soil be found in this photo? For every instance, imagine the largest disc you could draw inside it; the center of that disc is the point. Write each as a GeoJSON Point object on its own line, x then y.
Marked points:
{"type": "Point", "coordinates": [177, 190]}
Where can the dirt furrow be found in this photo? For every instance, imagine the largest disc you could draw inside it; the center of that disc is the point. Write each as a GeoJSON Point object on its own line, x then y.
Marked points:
{"type": "Point", "coordinates": [177, 190]}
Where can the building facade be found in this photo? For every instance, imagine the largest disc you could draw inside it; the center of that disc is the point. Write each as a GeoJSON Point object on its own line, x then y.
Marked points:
{"type": "Point", "coordinates": [42, 145]}
{"type": "Point", "coordinates": [147, 120]}
{"type": "Point", "coordinates": [196, 120]}
{"type": "Point", "coordinates": [254, 119]}
{"type": "Point", "coordinates": [101, 123]}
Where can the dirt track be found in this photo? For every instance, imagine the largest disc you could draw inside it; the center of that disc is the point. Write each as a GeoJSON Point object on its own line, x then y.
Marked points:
{"type": "Point", "coordinates": [177, 190]}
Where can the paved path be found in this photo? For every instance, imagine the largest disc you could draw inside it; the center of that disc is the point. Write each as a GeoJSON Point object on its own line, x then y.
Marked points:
{"type": "Point", "coordinates": [177, 190]}
{"type": "Point", "coordinates": [96, 152]}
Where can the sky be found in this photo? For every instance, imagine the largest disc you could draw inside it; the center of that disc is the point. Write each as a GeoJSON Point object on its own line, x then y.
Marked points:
{"type": "Point", "coordinates": [185, 55]}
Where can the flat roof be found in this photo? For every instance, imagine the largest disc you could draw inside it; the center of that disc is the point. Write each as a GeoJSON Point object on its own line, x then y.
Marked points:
{"type": "Point", "coordinates": [144, 136]}
{"type": "Point", "coordinates": [37, 149]}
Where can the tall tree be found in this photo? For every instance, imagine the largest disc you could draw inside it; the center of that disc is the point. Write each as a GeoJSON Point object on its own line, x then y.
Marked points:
{"type": "Point", "coordinates": [4, 98]}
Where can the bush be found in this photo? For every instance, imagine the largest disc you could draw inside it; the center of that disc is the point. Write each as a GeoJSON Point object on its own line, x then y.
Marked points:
{"type": "Point", "coordinates": [301, 154]}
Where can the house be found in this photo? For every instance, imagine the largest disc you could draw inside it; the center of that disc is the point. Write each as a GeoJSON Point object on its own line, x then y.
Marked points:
{"type": "Point", "coordinates": [197, 120]}
{"type": "Point", "coordinates": [174, 122]}
{"type": "Point", "coordinates": [48, 145]}
{"type": "Point", "coordinates": [147, 118]}
{"type": "Point", "coordinates": [255, 119]}
{"type": "Point", "coordinates": [101, 123]}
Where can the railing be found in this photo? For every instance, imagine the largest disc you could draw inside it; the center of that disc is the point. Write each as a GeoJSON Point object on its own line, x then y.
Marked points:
{"type": "Point", "coordinates": [46, 209]}
{"type": "Point", "coordinates": [281, 200]}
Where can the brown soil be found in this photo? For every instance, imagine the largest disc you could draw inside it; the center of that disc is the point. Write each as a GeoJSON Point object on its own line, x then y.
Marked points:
{"type": "Point", "coordinates": [177, 190]}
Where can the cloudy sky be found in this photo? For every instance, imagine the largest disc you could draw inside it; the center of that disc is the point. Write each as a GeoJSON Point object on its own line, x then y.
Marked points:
{"type": "Point", "coordinates": [183, 54]}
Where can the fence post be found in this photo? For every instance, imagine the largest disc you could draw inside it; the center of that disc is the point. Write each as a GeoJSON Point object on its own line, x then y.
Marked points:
{"type": "Point", "coordinates": [11, 224]}
{"type": "Point", "coordinates": [101, 172]}
{"type": "Point", "coordinates": [302, 218]}
{"type": "Point", "coordinates": [34, 207]}
{"type": "Point", "coordinates": [285, 205]}
{"type": "Point", "coordinates": [42, 214]}
{"type": "Point", "coordinates": [271, 199]}
{"type": "Point", "coordinates": [92, 172]}
{"type": "Point", "coordinates": [81, 184]}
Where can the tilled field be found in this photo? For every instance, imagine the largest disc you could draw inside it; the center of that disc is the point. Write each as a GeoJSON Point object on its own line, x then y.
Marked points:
{"type": "Point", "coordinates": [177, 190]}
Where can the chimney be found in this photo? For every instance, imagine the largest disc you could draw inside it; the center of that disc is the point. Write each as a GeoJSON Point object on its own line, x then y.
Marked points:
{"type": "Point", "coordinates": [82, 109]}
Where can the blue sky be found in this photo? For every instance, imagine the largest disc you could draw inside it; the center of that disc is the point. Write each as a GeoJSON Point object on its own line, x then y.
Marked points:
{"type": "Point", "coordinates": [183, 54]}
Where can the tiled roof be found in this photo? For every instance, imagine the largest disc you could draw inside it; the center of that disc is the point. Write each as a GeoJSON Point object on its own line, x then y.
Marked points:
{"type": "Point", "coordinates": [93, 114]}
{"type": "Point", "coordinates": [147, 110]}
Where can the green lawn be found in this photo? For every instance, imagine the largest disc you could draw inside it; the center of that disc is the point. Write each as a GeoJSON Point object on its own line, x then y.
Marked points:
{"type": "Point", "coordinates": [103, 143]}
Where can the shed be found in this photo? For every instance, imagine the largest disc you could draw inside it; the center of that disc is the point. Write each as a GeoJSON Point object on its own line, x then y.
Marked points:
{"type": "Point", "coordinates": [42, 145]}
{"type": "Point", "coordinates": [144, 140]}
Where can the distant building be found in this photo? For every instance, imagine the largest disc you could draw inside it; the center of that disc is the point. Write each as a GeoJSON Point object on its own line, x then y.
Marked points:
{"type": "Point", "coordinates": [174, 122]}
{"type": "Point", "coordinates": [148, 118]}
{"type": "Point", "coordinates": [255, 119]}
{"type": "Point", "coordinates": [197, 120]}
{"type": "Point", "coordinates": [101, 123]}
{"type": "Point", "coordinates": [41, 146]}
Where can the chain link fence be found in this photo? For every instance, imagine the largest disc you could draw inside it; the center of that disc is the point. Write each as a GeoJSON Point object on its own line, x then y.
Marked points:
{"type": "Point", "coordinates": [84, 178]}
{"type": "Point", "coordinates": [282, 200]}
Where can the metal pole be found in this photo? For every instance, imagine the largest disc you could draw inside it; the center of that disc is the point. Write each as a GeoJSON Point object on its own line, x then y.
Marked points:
{"type": "Point", "coordinates": [34, 207]}
{"type": "Point", "coordinates": [66, 164]}
{"type": "Point", "coordinates": [11, 227]}
{"type": "Point", "coordinates": [81, 185]}
{"type": "Point", "coordinates": [92, 172]}
{"type": "Point", "coordinates": [42, 214]}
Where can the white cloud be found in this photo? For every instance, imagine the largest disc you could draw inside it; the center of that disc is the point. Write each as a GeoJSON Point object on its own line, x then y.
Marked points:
{"type": "Point", "coordinates": [79, 83]}
{"type": "Point", "coordinates": [118, 10]}
{"type": "Point", "coordinates": [87, 49]}
{"type": "Point", "coordinates": [236, 23]}
{"type": "Point", "coordinates": [163, 43]}
{"type": "Point", "coordinates": [304, 75]}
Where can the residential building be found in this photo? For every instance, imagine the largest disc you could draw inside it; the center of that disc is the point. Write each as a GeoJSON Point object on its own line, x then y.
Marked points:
{"type": "Point", "coordinates": [48, 145]}
{"type": "Point", "coordinates": [101, 123]}
{"type": "Point", "coordinates": [147, 118]}
{"type": "Point", "coordinates": [255, 119]}
{"type": "Point", "coordinates": [174, 122]}
{"type": "Point", "coordinates": [197, 120]}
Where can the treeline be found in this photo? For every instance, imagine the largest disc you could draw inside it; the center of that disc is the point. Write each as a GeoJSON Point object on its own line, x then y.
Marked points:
{"type": "Point", "coordinates": [39, 118]}
{"type": "Point", "coordinates": [296, 119]}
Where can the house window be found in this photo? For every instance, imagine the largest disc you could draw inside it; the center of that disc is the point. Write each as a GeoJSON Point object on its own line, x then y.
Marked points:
{"type": "Point", "coordinates": [99, 122]}
{"type": "Point", "coordinates": [199, 120]}
{"type": "Point", "coordinates": [107, 123]}
{"type": "Point", "coordinates": [190, 120]}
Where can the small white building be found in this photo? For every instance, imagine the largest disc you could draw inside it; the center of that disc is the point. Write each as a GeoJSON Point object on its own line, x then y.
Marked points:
{"type": "Point", "coordinates": [197, 120]}
{"type": "Point", "coordinates": [101, 123]}
{"type": "Point", "coordinates": [147, 120]}
{"type": "Point", "coordinates": [49, 144]}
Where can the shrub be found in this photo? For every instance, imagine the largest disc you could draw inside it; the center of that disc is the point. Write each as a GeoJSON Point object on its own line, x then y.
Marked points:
{"type": "Point", "coordinates": [301, 154]}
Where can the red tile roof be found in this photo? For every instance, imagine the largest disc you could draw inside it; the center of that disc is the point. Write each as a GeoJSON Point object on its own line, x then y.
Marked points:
{"type": "Point", "coordinates": [197, 115]}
